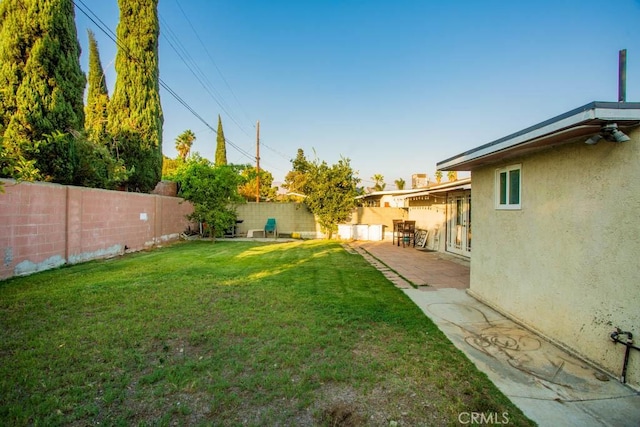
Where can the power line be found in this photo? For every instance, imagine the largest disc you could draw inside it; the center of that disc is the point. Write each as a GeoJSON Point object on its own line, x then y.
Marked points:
{"type": "Point", "coordinates": [187, 59]}
{"type": "Point", "coordinates": [101, 25]}
{"type": "Point", "coordinates": [196, 115]}
{"type": "Point", "coordinates": [204, 47]}
{"type": "Point", "coordinates": [275, 151]}
{"type": "Point", "coordinates": [109, 33]}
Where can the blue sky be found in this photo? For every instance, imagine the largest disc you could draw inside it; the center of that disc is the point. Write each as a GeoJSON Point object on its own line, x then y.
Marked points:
{"type": "Point", "coordinates": [395, 86]}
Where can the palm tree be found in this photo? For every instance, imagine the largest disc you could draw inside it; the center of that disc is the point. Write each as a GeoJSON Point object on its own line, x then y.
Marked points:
{"type": "Point", "coordinates": [378, 182]}
{"type": "Point", "coordinates": [452, 176]}
{"type": "Point", "coordinates": [184, 141]}
{"type": "Point", "coordinates": [438, 176]}
{"type": "Point", "coordinates": [400, 183]}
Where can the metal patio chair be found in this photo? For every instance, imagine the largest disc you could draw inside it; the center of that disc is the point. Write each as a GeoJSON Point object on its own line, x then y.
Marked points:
{"type": "Point", "coordinates": [270, 227]}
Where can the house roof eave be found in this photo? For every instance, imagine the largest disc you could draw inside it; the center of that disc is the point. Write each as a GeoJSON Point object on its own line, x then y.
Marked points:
{"type": "Point", "coordinates": [580, 122]}
{"type": "Point", "coordinates": [461, 184]}
{"type": "Point", "coordinates": [388, 193]}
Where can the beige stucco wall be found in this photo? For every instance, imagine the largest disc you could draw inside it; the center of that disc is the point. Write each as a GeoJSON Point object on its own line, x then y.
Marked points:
{"type": "Point", "coordinates": [428, 215]}
{"type": "Point", "coordinates": [431, 216]}
{"type": "Point", "coordinates": [392, 201]}
{"type": "Point", "coordinates": [377, 215]}
{"type": "Point", "coordinates": [567, 263]}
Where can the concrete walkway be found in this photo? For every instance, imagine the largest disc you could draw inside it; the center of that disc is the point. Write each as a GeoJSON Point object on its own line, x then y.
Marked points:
{"type": "Point", "coordinates": [549, 385]}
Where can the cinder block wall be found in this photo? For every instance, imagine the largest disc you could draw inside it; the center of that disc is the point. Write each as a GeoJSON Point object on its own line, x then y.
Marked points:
{"type": "Point", "coordinates": [44, 225]}
{"type": "Point", "coordinates": [296, 218]}
{"type": "Point", "coordinates": [33, 221]}
{"type": "Point", "coordinates": [290, 218]}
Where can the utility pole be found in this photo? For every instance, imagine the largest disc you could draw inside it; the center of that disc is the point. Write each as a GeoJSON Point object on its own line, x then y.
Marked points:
{"type": "Point", "coordinates": [258, 163]}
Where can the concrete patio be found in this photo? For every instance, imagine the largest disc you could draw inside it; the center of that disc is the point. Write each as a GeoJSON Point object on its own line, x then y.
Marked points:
{"type": "Point", "coordinates": [423, 269]}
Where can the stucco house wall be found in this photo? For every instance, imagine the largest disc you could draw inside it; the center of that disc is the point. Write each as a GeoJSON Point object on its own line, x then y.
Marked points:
{"type": "Point", "coordinates": [377, 215]}
{"type": "Point", "coordinates": [427, 206]}
{"type": "Point", "coordinates": [567, 263]}
{"type": "Point", "coordinates": [431, 216]}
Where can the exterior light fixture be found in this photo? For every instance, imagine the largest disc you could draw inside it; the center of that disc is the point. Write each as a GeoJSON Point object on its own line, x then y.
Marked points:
{"type": "Point", "coordinates": [610, 132]}
{"type": "Point", "coordinates": [613, 134]}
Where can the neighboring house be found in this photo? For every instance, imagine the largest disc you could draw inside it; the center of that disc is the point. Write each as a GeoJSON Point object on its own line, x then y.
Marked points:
{"type": "Point", "coordinates": [452, 201]}
{"type": "Point", "coordinates": [373, 219]}
{"type": "Point", "coordinates": [386, 198]}
{"type": "Point", "coordinates": [444, 210]}
{"type": "Point", "coordinates": [556, 237]}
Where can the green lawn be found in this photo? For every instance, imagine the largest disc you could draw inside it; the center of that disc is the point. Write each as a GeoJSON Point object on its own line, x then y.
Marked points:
{"type": "Point", "coordinates": [229, 333]}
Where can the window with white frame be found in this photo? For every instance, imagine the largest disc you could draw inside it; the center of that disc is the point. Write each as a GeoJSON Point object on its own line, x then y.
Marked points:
{"type": "Point", "coordinates": [508, 187]}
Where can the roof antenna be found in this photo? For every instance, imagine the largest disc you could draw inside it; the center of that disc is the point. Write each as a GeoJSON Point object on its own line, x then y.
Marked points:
{"type": "Point", "coordinates": [622, 75]}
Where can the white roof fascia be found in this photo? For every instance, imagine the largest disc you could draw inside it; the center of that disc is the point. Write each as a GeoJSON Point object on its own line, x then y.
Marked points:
{"type": "Point", "coordinates": [388, 193]}
{"type": "Point", "coordinates": [519, 139]}
{"type": "Point", "coordinates": [446, 185]}
{"type": "Point", "coordinates": [459, 187]}
{"type": "Point", "coordinates": [614, 114]}
{"type": "Point", "coordinates": [596, 112]}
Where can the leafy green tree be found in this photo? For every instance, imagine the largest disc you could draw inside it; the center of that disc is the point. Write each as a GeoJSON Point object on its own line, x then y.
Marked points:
{"type": "Point", "coordinates": [221, 145]}
{"type": "Point", "coordinates": [14, 165]}
{"type": "Point", "coordinates": [379, 184]}
{"type": "Point", "coordinates": [42, 88]}
{"type": "Point", "coordinates": [59, 150]}
{"type": "Point", "coordinates": [438, 176]}
{"type": "Point", "coordinates": [331, 192]}
{"type": "Point", "coordinates": [96, 166]}
{"type": "Point", "coordinates": [184, 141]}
{"type": "Point", "coordinates": [295, 180]}
{"type": "Point", "coordinates": [400, 183]}
{"type": "Point", "coordinates": [213, 190]}
{"type": "Point", "coordinates": [135, 114]}
{"type": "Point", "coordinates": [452, 176]}
{"type": "Point", "coordinates": [170, 167]}
{"type": "Point", "coordinates": [95, 110]}
{"type": "Point", "coordinates": [248, 188]}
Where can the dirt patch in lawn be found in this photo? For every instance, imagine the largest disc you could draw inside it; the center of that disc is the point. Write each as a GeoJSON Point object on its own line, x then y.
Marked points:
{"type": "Point", "coordinates": [343, 405]}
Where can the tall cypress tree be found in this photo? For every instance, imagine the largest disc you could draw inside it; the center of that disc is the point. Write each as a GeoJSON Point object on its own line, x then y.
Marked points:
{"type": "Point", "coordinates": [95, 121]}
{"type": "Point", "coordinates": [12, 59]}
{"type": "Point", "coordinates": [221, 146]}
{"type": "Point", "coordinates": [42, 84]}
{"type": "Point", "coordinates": [135, 114]}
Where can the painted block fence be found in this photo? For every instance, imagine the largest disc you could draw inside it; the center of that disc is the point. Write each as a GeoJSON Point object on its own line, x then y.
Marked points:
{"type": "Point", "coordinates": [45, 225]}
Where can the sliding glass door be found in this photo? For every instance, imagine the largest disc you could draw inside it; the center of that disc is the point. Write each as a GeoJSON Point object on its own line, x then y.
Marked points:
{"type": "Point", "coordinates": [459, 223]}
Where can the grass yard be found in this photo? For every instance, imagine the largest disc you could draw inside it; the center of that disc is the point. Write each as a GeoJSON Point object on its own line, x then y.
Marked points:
{"type": "Point", "coordinates": [231, 333]}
